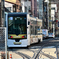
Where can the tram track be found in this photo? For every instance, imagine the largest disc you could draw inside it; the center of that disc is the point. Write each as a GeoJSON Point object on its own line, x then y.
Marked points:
{"type": "Point", "coordinates": [37, 53]}
{"type": "Point", "coordinates": [23, 55]}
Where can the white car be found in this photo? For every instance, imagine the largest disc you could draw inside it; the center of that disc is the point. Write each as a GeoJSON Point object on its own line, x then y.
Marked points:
{"type": "Point", "coordinates": [45, 33]}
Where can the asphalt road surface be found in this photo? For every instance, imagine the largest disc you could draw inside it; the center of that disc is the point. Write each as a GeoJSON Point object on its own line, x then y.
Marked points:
{"type": "Point", "coordinates": [48, 49]}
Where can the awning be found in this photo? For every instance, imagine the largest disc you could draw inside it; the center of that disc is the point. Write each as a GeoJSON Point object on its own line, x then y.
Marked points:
{"type": "Point", "coordinates": [11, 1]}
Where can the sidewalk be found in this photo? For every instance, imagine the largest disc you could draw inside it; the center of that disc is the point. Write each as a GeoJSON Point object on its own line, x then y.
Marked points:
{"type": "Point", "coordinates": [2, 54]}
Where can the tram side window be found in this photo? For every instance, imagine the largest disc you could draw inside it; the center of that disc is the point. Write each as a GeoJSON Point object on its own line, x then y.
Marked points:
{"type": "Point", "coordinates": [32, 30]}
{"type": "Point", "coordinates": [35, 30]}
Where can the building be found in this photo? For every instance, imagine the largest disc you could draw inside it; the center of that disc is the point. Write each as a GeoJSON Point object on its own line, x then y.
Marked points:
{"type": "Point", "coordinates": [56, 17]}
{"type": "Point", "coordinates": [17, 7]}
{"type": "Point", "coordinates": [34, 8]}
{"type": "Point", "coordinates": [1, 13]}
{"type": "Point", "coordinates": [40, 9]}
{"type": "Point", "coordinates": [53, 13]}
{"type": "Point", "coordinates": [46, 14]}
{"type": "Point", "coordinates": [26, 6]}
{"type": "Point", "coordinates": [8, 7]}
{"type": "Point", "coordinates": [29, 6]}
{"type": "Point", "coordinates": [13, 5]}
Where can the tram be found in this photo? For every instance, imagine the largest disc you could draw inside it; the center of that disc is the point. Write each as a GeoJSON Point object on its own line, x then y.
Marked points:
{"type": "Point", "coordinates": [22, 30]}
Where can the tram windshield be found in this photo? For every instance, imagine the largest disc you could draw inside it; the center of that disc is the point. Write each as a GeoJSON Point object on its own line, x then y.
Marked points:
{"type": "Point", "coordinates": [17, 25]}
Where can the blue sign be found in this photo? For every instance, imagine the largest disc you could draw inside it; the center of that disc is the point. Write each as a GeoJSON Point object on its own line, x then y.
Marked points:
{"type": "Point", "coordinates": [58, 24]}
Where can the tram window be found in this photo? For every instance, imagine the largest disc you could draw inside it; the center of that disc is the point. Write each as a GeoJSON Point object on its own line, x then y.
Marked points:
{"type": "Point", "coordinates": [28, 23]}
{"type": "Point", "coordinates": [17, 25]}
{"type": "Point", "coordinates": [35, 30]}
{"type": "Point", "coordinates": [32, 30]}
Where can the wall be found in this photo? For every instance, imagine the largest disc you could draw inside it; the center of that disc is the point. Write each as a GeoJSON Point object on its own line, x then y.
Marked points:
{"type": "Point", "coordinates": [9, 5]}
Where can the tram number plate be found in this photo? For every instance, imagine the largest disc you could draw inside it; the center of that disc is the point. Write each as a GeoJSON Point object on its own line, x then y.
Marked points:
{"type": "Point", "coordinates": [17, 43]}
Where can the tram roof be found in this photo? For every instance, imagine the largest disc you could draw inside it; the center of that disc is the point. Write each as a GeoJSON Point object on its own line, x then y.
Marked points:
{"type": "Point", "coordinates": [18, 13]}
{"type": "Point", "coordinates": [33, 18]}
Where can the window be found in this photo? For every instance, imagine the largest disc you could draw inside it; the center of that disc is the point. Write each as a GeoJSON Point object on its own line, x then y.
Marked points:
{"type": "Point", "coordinates": [9, 8]}
{"type": "Point", "coordinates": [25, 9]}
{"type": "Point", "coordinates": [32, 30]}
{"type": "Point", "coordinates": [17, 25]}
{"type": "Point", "coordinates": [29, 8]}
{"type": "Point", "coordinates": [25, 0]}
{"type": "Point", "coordinates": [34, 11]}
{"type": "Point", "coordinates": [35, 30]}
{"type": "Point", "coordinates": [53, 8]}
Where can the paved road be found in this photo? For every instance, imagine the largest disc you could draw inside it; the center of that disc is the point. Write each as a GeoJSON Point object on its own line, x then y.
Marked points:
{"type": "Point", "coordinates": [46, 49]}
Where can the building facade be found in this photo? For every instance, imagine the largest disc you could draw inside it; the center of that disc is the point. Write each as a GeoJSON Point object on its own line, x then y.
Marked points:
{"type": "Point", "coordinates": [13, 5]}
{"type": "Point", "coordinates": [40, 9]}
{"type": "Point", "coordinates": [26, 6]}
{"type": "Point", "coordinates": [53, 13]}
{"type": "Point", "coordinates": [46, 14]}
{"type": "Point", "coordinates": [34, 8]}
{"type": "Point", "coordinates": [8, 7]}
{"type": "Point", "coordinates": [1, 13]}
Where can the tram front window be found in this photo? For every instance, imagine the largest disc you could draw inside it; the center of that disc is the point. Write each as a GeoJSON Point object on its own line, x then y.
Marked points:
{"type": "Point", "coordinates": [17, 25]}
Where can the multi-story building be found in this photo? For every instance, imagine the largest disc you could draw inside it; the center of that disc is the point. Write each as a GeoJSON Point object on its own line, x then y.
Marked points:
{"type": "Point", "coordinates": [1, 13]}
{"type": "Point", "coordinates": [17, 7]}
{"type": "Point", "coordinates": [8, 7]}
{"type": "Point", "coordinates": [26, 6]}
{"type": "Point", "coordinates": [40, 9]}
{"type": "Point", "coordinates": [29, 6]}
{"type": "Point", "coordinates": [57, 26]}
{"type": "Point", "coordinates": [56, 17]}
{"type": "Point", "coordinates": [13, 5]}
{"type": "Point", "coordinates": [34, 8]}
{"type": "Point", "coordinates": [46, 14]}
{"type": "Point", "coordinates": [57, 22]}
{"type": "Point", "coordinates": [53, 11]}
